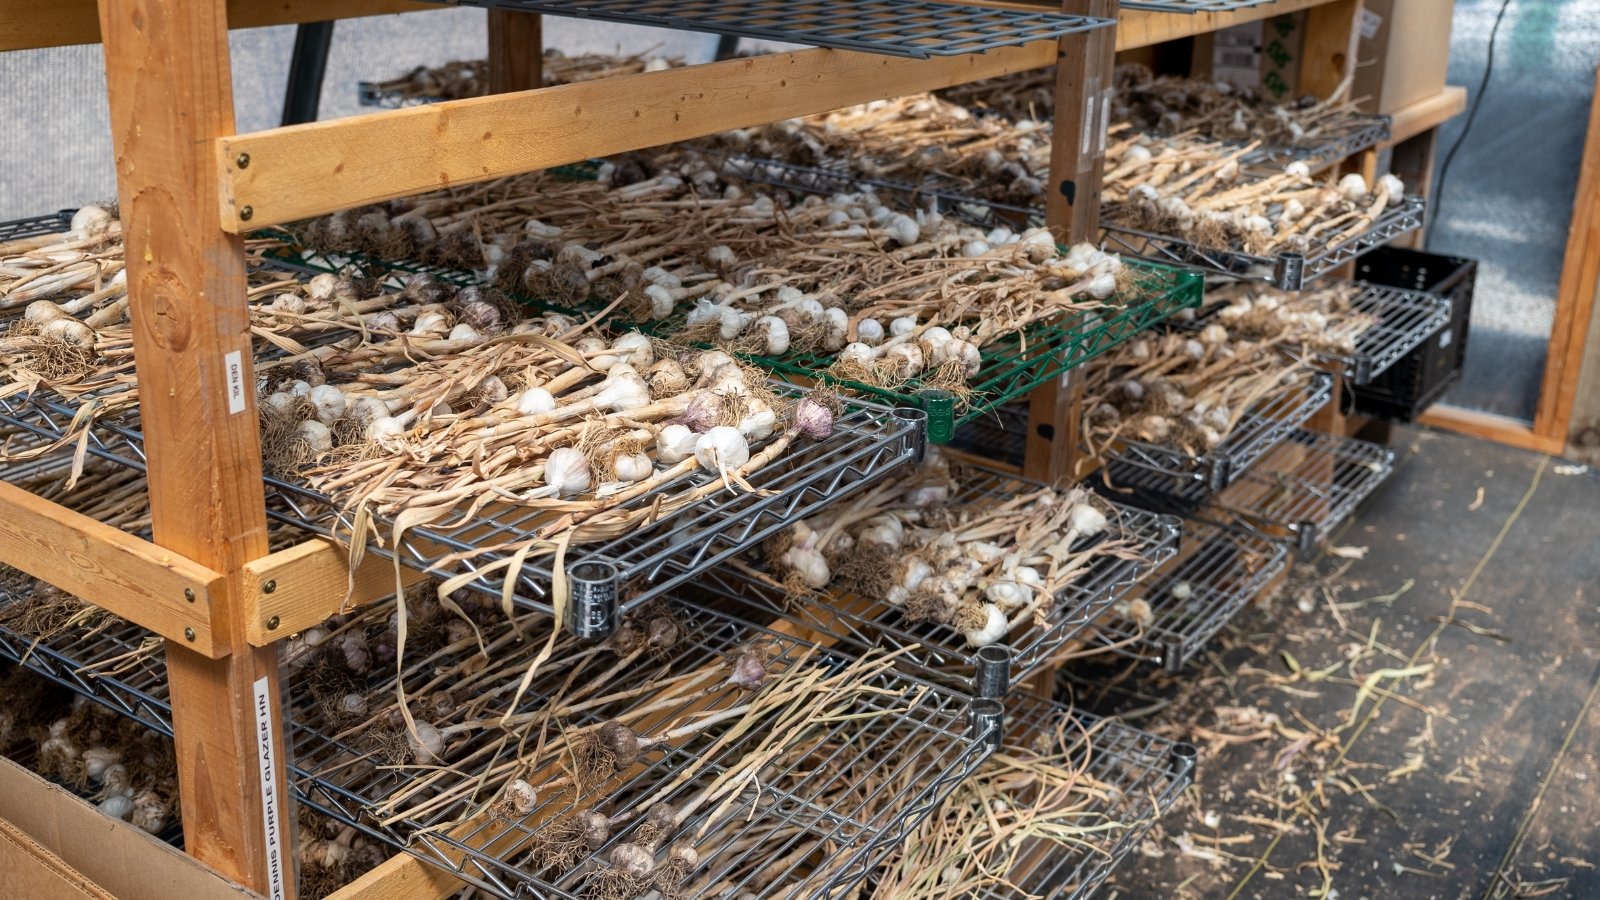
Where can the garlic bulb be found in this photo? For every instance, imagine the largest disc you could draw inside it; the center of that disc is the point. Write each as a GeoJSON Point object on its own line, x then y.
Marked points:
{"type": "Point", "coordinates": [464, 332]}
{"type": "Point", "coordinates": [117, 806]}
{"type": "Point", "coordinates": [809, 564]}
{"type": "Point", "coordinates": [1353, 186]}
{"type": "Point", "coordinates": [993, 629]}
{"type": "Point", "coordinates": [566, 473]}
{"type": "Point", "coordinates": [902, 326]}
{"type": "Point", "coordinates": [675, 443]}
{"type": "Point", "coordinates": [869, 332]}
{"type": "Point", "coordinates": [722, 448]}
{"type": "Point", "coordinates": [631, 467]}
{"type": "Point", "coordinates": [316, 434]}
{"type": "Point", "coordinates": [426, 743]}
{"type": "Point", "coordinates": [759, 424]}
{"type": "Point", "coordinates": [535, 400]}
{"type": "Point", "coordinates": [97, 759]}
{"type": "Point", "coordinates": [520, 797]}
{"type": "Point", "coordinates": [1181, 591]}
{"type": "Point", "coordinates": [635, 349]}
{"type": "Point", "coordinates": [776, 334]}
{"type": "Point", "coordinates": [330, 403]}
{"type": "Point", "coordinates": [836, 324]}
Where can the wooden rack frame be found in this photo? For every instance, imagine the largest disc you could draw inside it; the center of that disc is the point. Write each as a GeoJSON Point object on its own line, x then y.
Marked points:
{"type": "Point", "coordinates": [189, 186]}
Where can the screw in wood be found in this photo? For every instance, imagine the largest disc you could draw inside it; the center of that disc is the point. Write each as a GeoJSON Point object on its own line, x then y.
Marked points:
{"type": "Point", "coordinates": [247, 213]}
{"type": "Point", "coordinates": [188, 634]}
{"type": "Point", "coordinates": [188, 594]}
{"type": "Point", "coordinates": [269, 587]}
{"type": "Point", "coordinates": [272, 624]}
{"type": "Point", "coordinates": [243, 161]}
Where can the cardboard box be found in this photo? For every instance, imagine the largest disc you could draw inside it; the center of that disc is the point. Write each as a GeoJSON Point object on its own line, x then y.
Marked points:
{"type": "Point", "coordinates": [1264, 55]}
{"type": "Point", "coordinates": [1403, 53]}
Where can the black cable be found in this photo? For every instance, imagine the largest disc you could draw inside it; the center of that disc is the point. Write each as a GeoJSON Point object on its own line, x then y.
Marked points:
{"type": "Point", "coordinates": [1472, 115]}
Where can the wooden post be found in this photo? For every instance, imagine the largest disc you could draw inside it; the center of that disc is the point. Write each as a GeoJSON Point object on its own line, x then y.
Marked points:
{"type": "Point", "coordinates": [516, 51]}
{"type": "Point", "coordinates": [169, 84]}
{"type": "Point", "coordinates": [1072, 210]}
{"type": "Point", "coordinates": [1329, 53]}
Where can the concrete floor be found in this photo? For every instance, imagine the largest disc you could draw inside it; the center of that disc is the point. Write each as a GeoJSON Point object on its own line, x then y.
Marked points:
{"type": "Point", "coordinates": [1419, 722]}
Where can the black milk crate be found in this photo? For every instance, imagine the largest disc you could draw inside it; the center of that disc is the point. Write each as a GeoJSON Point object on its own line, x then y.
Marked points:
{"type": "Point", "coordinates": [1422, 376]}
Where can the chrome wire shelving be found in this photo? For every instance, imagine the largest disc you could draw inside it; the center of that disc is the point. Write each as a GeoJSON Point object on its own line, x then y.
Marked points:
{"type": "Point", "coordinates": [909, 28]}
{"type": "Point", "coordinates": [1131, 780]}
{"type": "Point", "coordinates": [938, 652]}
{"type": "Point", "coordinates": [1176, 612]}
{"type": "Point", "coordinates": [1336, 140]}
{"type": "Point", "coordinates": [1384, 324]}
{"type": "Point", "coordinates": [1264, 426]}
{"type": "Point", "coordinates": [1296, 494]}
{"type": "Point", "coordinates": [811, 807]}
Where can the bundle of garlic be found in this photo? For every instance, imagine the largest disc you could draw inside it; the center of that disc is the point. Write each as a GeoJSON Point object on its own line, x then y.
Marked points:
{"type": "Point", "coordinates": [1172, 105]}
{"type": "Point", "coordinates": [911, 139]}
{"type": "Point", "coordinates": [897, 297]}
{"type": "Point", "coordinates": [1032, 800]}
{"type": "Point", "coordinates": [130, 771]}
{"type": "Point", "coordinates": [984, 565]}
{"type": "Point", "coordinates": [1169, 189]}
{"type": "Point", "coordinates": [331, 855]}
{"type": "Point", "coordinates": [461, 79]}
{"type": "Point", "coordinates": [1319, 320]}
{"type": "Point", "coordinates": [1187, 392]}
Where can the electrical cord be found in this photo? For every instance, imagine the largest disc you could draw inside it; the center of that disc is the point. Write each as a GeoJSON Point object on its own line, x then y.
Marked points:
{"type": "Point", "coordinates": [1472, 115]}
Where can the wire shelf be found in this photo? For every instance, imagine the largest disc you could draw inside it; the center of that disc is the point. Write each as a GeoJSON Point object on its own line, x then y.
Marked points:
{"type": "Point", "coordinates": [1308, 486]}
{"type": "Point", "coordinates": [610, 576]}
{"type": "Point", "coordinates": [1348, 134]}
{"type": "Point", "coordinates": [36, 225]}
{"type": "Point", "coordinates": [1297, 494]}
{"type": "Point", "coordinates": [1190, 7]}
{"type": "Point", "coordinates": [830, 798]}
{"type": "Point", "coordinates": [1267, 424]}
{"type": "Point", "coordinates": [938, 652]}
{"type": "Point", "coordinates": [1386, 323]}
{"type": "Point", "coordinates": [1018, 363]}
{"type": "Point", "coordinates": [1141, 777]}
{"type": "Point", "coordinates": [1221, 570]}
{"type": "Point", "coordinates": [1285, 271]}
{"type": "Point", "coordinates": [912, 28]}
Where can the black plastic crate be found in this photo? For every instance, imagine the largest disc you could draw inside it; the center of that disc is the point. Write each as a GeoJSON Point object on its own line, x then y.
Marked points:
{"type": "Point", "coordinates": [1423, 375]}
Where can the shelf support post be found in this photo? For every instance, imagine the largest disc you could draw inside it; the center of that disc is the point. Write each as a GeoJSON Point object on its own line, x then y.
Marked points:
{"type": "Point", "coordinates": [169, 85]}
{"type": "Point", "coordinates": [516, 51]}
{"type": "Point", "coordinates": [1084, 65]}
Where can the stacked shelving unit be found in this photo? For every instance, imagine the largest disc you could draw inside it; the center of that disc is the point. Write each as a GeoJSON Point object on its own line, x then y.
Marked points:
{"type": "Point", "coordinates": [216, 589]}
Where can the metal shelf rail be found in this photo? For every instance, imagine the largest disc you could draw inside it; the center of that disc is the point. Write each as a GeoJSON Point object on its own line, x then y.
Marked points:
{"type": "Point", "coordinates": [1141, 776]}
{"type": "Point", "coordinates": [1297, 494]}
{"type": "Point", "coordinates": [912, 28]}
{"type": "Point", "coordinates": [1387, 323]}
{"type": "Point", "coordinates": [938, 652]}
{"type": "Point", "coordinates": [1184, 606]}
{"type": "Point", "coordinates": [1266, 425]}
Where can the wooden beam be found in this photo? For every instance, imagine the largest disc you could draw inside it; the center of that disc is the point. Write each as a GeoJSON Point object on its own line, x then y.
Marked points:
{"type": "Point", "coordinates": [170, 93]}
{"type": "Point", "coordinates": [307, 170]}
{"type": "Point", "coordinates": [1141, 29]}
{"type": "Point", "coordinates": [516, 51]}
{"type": "Point", "coordinates": [116, 571]}
{"type": "Point", "coordinates": [1490, 427]}
{"type": "Point", "coordinates": [30, 24]}
{"type": "Point", "coordinates": [310, 582]}
{"type": "Point", "coordinates": [1329, 52]}
{"type": "Point", "coordinates": [401, 877]}
{"type": "Point", "coordinates": [1410, 121]}
{"type": "Point", "coordinates": [1083, 92]}
{"type": "Point", "coordinates": [1575, 296]}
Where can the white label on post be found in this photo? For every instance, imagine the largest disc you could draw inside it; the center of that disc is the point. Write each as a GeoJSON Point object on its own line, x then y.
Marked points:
{"type": "Point", "coordinates": [1105, 122]}
{"type": "Point", "coordinates": [271, 803]}
{"type": "Point", "coordinates": [234, 364]}
{"type": "Point", "coordinates": [1370, 23]}
{"type": "Point", "coordinates": [1445, 337]}
{"type": "Point", "coordinates": [1090, 109]}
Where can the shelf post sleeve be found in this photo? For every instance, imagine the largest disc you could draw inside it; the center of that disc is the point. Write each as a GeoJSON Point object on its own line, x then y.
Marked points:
{"type": "Point", "coordinates": [170, 92]}
{"type": "Point", "coordinates": [1084, 65]}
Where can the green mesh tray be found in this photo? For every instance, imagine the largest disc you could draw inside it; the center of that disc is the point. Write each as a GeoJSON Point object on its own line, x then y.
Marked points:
{"type": "Point", "coordinates": [1018, 363]}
